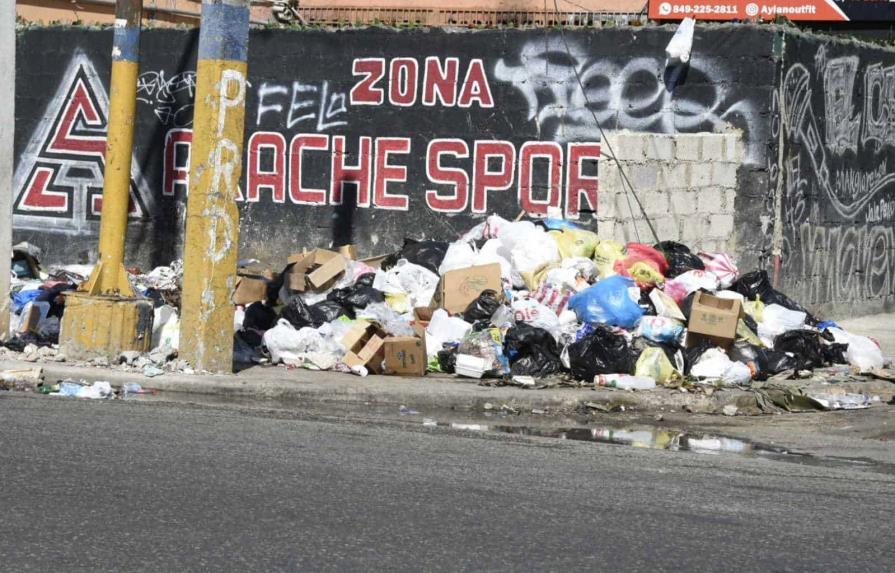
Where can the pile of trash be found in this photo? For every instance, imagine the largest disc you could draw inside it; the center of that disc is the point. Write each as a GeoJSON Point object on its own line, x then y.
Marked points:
{"type": "Point", "coordinates": [507, 303]}
{"type": "Point", "coordinates": [520, 302]}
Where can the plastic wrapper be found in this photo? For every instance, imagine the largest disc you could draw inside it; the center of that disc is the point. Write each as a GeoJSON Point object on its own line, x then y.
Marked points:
{"type": "Point", "coordinates": [532, 351]}
{"type": "Point", "coordinates": [391, 321]}
{"type": "Point", "coordinates": [553, 297]}
{"type": "Point", "coordinates": [600, 351]}
{"type": "Point", "coordinates": [665, 306]}
{"type": "Point", "coordinates": [483, 307]}
{"type": "Point", "coordinates": [660, 329]}
{"type": "Point", "coordinates": [608, 302]}
{"type": "Point", "coordinates": [679, 257]}
{"type": "Point", "coordinates": [536, 314]}
{"type": "Point", "coordinates": [654, 363]}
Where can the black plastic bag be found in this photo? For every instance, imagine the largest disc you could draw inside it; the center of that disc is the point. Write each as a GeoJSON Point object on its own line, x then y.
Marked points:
{"type": "Point", "coordinates": [835, 353]}
{"type": "Point", "coordinates": [532, 351]}
{"type": "Point", "coordinates": [365, 280]}
{"type": "Point", "coordinates": [767, 362]}
{"type": "Point", "coordinates": [428, 254]}
{"type": "Point", "coordinates": [806, 345]}
{"type": "Point", "coordinates": [679, 257]}
{"type": "Point", "coordinates": [757, 285]}
{"type": "Point", "coordinates": [300, 314]}
{"type": "Point", "coordinates": [447, 358]}
{"type": "Point", "coordinates": [356, 297]}
{"type": "Point", "coordinates": [327, 311]}
{"type": "Point", "coordinates": [483, 307]}
{"type": "Point", "coordinates": [600, 352]}
{"type": "Point", "coordinates": [259, 316]}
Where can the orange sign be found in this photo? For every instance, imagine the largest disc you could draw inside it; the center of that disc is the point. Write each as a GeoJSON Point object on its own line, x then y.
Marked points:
{"type": "Point", "coordinates": [814, 10]}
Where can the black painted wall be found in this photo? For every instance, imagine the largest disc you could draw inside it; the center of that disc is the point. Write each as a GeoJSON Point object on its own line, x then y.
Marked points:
{"type": "Point", "coordinates": [838, 174]}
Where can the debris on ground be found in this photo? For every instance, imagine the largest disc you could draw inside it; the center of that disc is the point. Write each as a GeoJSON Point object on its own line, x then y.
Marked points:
{"type": "Point", "coordinates": [532, 304]}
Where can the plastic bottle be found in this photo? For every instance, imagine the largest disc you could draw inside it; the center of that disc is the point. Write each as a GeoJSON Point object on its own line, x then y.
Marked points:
{"type": "Point", "coordinates": [625, 381]}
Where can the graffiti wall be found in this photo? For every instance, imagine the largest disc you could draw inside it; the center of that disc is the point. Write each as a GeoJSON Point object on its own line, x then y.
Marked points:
{"type": "Point", "coordinates": [370, 136]}
{"type": "Point", "coordinates": [838, 117]}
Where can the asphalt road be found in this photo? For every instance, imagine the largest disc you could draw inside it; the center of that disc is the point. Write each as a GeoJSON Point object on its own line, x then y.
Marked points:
{"type": "Point", "coordinates": [121, 486]}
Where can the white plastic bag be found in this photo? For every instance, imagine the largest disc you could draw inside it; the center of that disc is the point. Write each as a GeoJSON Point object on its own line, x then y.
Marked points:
{"type": "Point", "coordinates": [417, 282]}
{"type": "Point", "coordinates": [528, 247]}
{"type": "Point", "coordinates": [444, 328]}
{"type": "Point", "coordinates": [776, 320]}
{"type": "Point", "coordinates": [715, 366]}
{"type": "Point", "coordinates": [536, 314]}
{"type": "Point", "coordinates": [660, 329]}
{"type": "Point", "coordinates": [678, 49]}
{"type": "Point", "coordinates": [303, 347]}
{"type": "Point", "coordinates": [166, 327]}
{"type": "Point", "coordinates": [862, 351]}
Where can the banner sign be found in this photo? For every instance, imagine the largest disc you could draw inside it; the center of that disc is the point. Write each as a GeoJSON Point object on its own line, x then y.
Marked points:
{"type": "Point", "coordinates": [795, 10]}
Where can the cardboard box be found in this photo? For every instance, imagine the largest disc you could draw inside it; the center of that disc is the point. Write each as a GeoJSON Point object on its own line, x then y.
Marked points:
{"type": "Point", "coordinates": [375, 262]}
{"type": "Point", "coordinates": [405, 356]}
{"type": "Point", "coordinates": [713, 318]}
{"type": "Point", "coordinates": [423, 313]}
{"type": "Point", "coordinates": [364, 342]}
{"type": "Point", "coordinates": [349, 252]}
{"type": "Point", "coordinates": [330, 265]}
{"type": "Point", "coordinates": [460, 287]}
{"type": "Point", "coordinates": [249, 290]}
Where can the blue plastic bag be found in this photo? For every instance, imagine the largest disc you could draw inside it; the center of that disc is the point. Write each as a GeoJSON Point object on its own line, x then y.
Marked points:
{"type": "Point", "coordinates": [607, 302]}
{"type": "Point", "coordinates": [21, 298]}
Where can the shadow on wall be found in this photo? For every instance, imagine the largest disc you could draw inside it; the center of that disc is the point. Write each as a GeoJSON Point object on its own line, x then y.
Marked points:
{"type": "Point", "coordinates": [343, 219]}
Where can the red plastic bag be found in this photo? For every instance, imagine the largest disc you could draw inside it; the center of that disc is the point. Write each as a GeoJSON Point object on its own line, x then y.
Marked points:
{"type": "Point", "coordinates": [641, 253]}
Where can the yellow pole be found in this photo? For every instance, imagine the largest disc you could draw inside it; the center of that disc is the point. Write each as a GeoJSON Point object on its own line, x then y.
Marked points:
{"type": "Point", "coordinates": [109, 276]}
{"type": "Point", "coordinates": [104, 318]}
{"type": "Point", "coordinates": [212, 225]}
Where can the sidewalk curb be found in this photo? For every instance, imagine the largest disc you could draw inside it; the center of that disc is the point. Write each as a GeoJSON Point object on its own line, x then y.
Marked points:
{"type": "Point", "coordinates": [321, 387]}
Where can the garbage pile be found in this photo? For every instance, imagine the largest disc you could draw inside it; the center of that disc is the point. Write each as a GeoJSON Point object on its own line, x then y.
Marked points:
{"type": "Point", "coordinates": [517, 303]}
{"type": "Point", "coordinates": [520, 302]}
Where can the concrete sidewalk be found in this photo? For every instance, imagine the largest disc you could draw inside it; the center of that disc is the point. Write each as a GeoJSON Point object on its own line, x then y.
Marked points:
{"type": "Point", "coordinates": [305, 388]}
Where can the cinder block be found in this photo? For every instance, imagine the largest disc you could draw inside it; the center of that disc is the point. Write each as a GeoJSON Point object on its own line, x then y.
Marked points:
{"type": "Point", "coordinates": [683, 202]}
{"type": "Point", "coordinates": [628, 146]}
{"type": "Point", "coordinates": [606, 208]}
{"type": "Point", "coordinates": [694, 229]}
{"type": "Point", "coordinates": [668, 228]}
{"type": "Point", "coordinates": [730, 197]}
{"type": "Point", "coordinates": [701, 174]}
{"type": "Point", "coordinates": [725, 174]}
{"type": "Point", "coordinates": [610, 180]}
{"type": "Point", "coordinates": [655, 203]}
{"type": "Point", "coordinates": [643, 177]}
{"type": "Point", "coordinates": [687, 147]}
{"type": "Point", "coordinates": [720, 226]}
{"type": "Point", "coordinates": [711, 200]}
{"type": "Point", "coordinates": [674, 176]}
{"type": "Point", "coordinates": [733, 147]}
{"type": "Point", "coordinates": [712, 147]}
{"type": "Point", "coordinates": [606, 228]}
{"type": "Point", "coordinates": [659, 147]}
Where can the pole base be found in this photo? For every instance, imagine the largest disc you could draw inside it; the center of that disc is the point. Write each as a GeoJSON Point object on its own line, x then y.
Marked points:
{"type": "Point", "coordinates": [104, 325]}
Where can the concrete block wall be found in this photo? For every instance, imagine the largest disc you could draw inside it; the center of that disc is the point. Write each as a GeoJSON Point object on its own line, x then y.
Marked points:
{"type": "Point", "coordinates": [686, 184]}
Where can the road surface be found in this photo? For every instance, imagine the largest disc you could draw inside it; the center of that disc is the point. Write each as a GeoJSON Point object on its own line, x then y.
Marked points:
{"type": "Point", "coordinates": [124, 486]}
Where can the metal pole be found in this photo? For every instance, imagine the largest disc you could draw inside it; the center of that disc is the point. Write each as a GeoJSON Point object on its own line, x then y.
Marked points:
{"type": "Point", "coordinates": [109, 277]}
{"type": "Point", "coordinates": [7, 125]}
{"type": "Point", "coordinates": [212, 225]}
{"type": "Point", "coordinates": [104, 317]}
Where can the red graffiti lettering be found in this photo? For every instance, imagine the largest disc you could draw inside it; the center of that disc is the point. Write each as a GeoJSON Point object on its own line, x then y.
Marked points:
{"type": "Point", "coordinates": [298, 193]}
{"type": "Point", "coordinates": [365, 92]}
{"type": "Point", "coordinates": [483, 178]}
{"type": "Point", "coordinates": [387, 172]}
{"type": "Point", "coordinates": [440, 82]}
{"type": "Point", "coordinates": [357, 175]}
{"type": "Point", "coordinates": [552, 152]}
{"type": "Point", "coordinates": [456, 178]}
{"type": "Point", "coordinates": [578, 184]}
{"type": "Point", "coordinates": [273, 179]}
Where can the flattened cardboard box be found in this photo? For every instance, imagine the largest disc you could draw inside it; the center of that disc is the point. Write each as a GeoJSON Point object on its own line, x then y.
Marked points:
{"type": "Point", "coordinates": [460, 287]}
{"type": "Point", "coordinates": [331, 265]}
{"type": "Point", "coordinates": [249, 290]}
{"type": "Point", "coordinates": [713, 317]}
{"type": "Point", "coordinates": [405, 356]}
